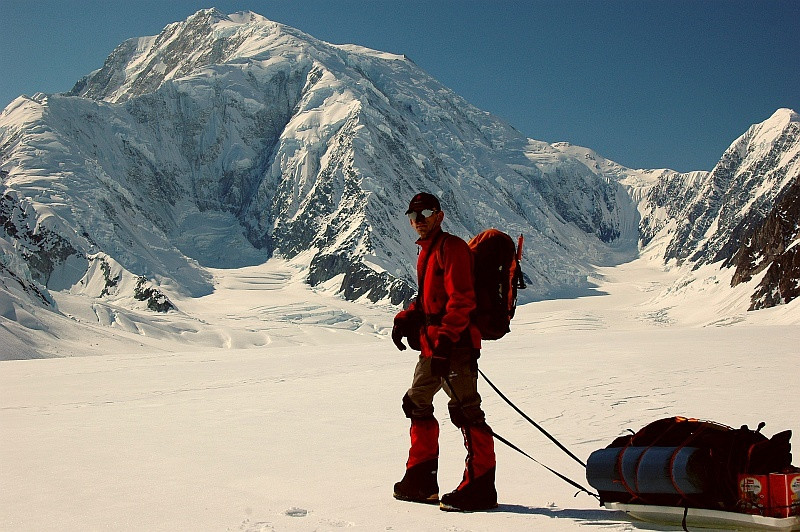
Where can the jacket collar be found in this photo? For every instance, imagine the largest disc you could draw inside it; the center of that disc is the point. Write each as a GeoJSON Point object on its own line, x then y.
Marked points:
{"type": "Point", "coordinates": [426, 243]}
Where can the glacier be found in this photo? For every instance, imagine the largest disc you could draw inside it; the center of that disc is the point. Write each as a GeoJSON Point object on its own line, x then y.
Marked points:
{"type": "Point", "coordinates": [229, 140]}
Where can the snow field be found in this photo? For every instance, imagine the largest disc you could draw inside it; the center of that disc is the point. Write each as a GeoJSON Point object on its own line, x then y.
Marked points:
{"type": "Point", "coordinates": [305, 431]}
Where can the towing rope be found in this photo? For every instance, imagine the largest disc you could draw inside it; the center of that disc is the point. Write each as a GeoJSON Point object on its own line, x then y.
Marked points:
{"type": "Point", "coordinates": [556, 473]}
{"type": "Point", "coordinates": [532, 422]}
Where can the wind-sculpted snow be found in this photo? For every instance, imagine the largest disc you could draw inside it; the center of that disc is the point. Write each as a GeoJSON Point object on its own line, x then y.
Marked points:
{"type": "Point", "coordinates": [281, 409]}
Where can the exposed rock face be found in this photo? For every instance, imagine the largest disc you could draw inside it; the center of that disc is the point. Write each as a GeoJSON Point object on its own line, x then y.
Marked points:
{"type": "Point", "coordinates": [773, 246]}
{"type": "Point", "coordinates": [156, 300]}
{"type": "Point", "coordinates": [42, 249]}
{"type": "Point", "coordinates": [742, 214]}
{"type": "Point", "coordinates": [711, 212]}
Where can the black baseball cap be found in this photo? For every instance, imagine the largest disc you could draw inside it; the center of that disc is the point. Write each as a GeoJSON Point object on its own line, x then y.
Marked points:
{"type": "Point", "coordinates": [423, 200]}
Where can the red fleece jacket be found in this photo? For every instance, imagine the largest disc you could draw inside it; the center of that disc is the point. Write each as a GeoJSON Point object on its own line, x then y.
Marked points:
{"type": "Point", "coordinates": [448, 291]}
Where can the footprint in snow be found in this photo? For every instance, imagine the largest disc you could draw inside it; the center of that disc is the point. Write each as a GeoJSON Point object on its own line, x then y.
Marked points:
{"type": "Point", "coordinates": [261, 526]}
{"type": "Point", "coordinates": [296, 512]}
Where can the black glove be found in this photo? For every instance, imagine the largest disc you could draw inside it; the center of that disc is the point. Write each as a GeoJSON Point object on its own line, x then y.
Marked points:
{"type": "Point", "coordinates": [407, 326]}
{"type": "Point", "coordinates": [440, 360]}
{"type": "Point", "coordinates": [397, 336]}
{"type": "Point", "coordinates": [416, 322]}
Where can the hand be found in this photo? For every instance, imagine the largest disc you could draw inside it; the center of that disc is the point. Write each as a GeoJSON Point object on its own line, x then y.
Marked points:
{"type": "Point", "coordinates": [440, 360]}
{"type": "Point", "coordinates": [413, 328]}
{"type": "Point", "coordinates": [443, 346]}
{"type": "Point", "coordinates": [440, 366]}
{"type": "Point", "coordinates": [397, 337]}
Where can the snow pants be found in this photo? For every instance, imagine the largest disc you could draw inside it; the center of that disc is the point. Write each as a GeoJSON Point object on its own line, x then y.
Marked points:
{"type": "Point", "coordinates": [465, 413]}
{"type": "Point", "coordinates": [465, 402]}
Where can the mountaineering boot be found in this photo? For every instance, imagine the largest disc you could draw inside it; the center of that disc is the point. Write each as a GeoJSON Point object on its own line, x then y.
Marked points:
{"type": "Point", "coordinates": [476, 491]}
{"type": "Point", "coordinates": [419, 483]}
{"type": "Point", "coordinates": [478, 494]}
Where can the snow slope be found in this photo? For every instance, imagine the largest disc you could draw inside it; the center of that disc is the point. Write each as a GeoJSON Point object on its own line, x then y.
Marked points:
{"type": "Point", "coordinates": [241, 134]}
{"type": "Point", "coordinates": [281, 410]}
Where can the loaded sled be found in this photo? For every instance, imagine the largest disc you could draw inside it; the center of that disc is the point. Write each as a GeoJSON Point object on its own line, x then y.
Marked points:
{"type": "Point", "coordinates": [689, 472]}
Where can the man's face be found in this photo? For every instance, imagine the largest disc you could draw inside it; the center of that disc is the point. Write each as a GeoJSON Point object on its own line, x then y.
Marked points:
{"type": "Point", "coordinates": [425, 225]}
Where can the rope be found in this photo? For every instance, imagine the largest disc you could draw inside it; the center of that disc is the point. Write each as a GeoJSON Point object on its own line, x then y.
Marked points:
{"type": "Point", "coordinates": [556, 473]}
{"type": "Point", "coordinates": [532, 422]}
{"type": "Point", "coordinates": [512, 446]}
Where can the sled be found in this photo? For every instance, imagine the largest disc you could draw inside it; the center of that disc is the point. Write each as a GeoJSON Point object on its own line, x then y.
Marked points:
{"type": "Point", "coordinates": [689, 473]}
{"type": "Point", "coordinates": [702, 518]}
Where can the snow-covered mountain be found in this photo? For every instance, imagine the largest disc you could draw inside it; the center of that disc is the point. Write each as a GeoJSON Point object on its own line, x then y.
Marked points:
{"type": "Point", "coordinates": [229, 139]}
{"type": "Point", "coordinates": [742, 214]}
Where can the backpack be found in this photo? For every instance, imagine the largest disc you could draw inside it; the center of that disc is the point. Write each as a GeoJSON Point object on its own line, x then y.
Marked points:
{"type": "Point", "coordinates": [498, 276]}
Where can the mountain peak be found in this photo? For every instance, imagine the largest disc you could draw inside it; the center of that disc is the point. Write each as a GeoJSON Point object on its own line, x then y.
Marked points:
{"type": "Point", "coordinates": [230, 138]}
{"type": "Point", "coordinates": [211, 12]}
{"type": "Point", "coordinates": [785, 115]}
{"type": "Point", "coordinates": [141, 65]}
{"type": "Point", "coordinates": [214, 16]}
{"type": "Point", "coordinates": [763, 136]}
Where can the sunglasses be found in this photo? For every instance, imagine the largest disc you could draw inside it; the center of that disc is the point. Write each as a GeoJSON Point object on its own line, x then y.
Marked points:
{"type": "Point", "coordinates": [421, 215]}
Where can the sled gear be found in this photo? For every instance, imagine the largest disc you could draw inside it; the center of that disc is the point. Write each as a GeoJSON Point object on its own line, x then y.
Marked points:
{"type": "Point", "coordinates": [685, 462]}
{"type": "Point", "coordinates": [423, 201]}
{"type": "Point", "coordinates": [419, 484]}
{"type": "Point", "coordinates": [688, 518]}
{"type": "Point", "coordinates": [498, 276]}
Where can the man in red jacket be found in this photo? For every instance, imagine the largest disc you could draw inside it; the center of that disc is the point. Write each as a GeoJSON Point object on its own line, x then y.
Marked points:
{"type": "Point", "coordinates": [438, 324]}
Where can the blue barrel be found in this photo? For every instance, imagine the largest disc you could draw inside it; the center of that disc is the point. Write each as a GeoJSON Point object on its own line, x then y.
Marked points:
{"type": "Point", "coordinates": [648, 470]}
{"type": "Point", "coordinates": [602, 471]}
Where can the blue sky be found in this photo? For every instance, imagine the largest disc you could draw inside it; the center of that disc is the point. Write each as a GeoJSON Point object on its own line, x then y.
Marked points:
{"type": "Point", "coordinates": [646, 83]}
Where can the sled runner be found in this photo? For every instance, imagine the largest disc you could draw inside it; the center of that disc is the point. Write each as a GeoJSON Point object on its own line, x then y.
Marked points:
{"type": "Point", "coordinates": [704, 518]}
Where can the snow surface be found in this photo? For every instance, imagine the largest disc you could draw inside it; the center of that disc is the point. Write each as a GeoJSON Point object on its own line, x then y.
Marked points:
{"type": "Point", "coordinates": [280, 410]}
